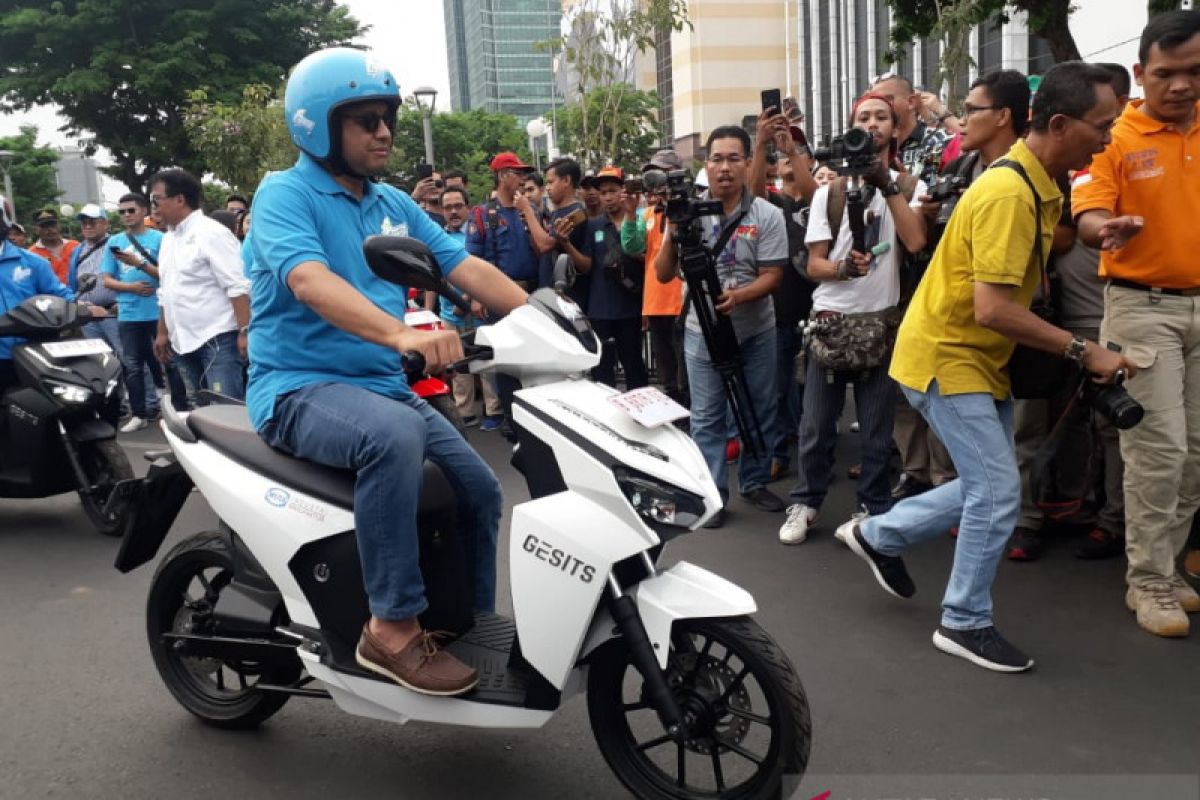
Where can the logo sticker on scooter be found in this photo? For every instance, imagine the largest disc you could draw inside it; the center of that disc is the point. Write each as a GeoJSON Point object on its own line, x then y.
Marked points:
{"type": "Point", "coordinates": [277, 497]}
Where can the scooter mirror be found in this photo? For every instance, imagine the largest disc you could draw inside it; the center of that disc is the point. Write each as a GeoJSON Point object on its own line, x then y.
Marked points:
{"type": "Point", "coordinates": [403, 261]}
{"type": "Point", "coordinates": [85, 283]}
{"type": "Point", "coordinates": [564, 272]}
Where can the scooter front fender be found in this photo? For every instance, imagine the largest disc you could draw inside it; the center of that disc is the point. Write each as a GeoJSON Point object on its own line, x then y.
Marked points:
{"type": "Point", "coordinates": [686, 591]}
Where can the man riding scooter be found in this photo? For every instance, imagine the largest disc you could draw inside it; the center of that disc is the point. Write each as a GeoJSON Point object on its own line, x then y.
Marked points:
{"type": "Point", "coordinates": [22, 275]}
{"type": "Point", "coordinates": [326, 380]}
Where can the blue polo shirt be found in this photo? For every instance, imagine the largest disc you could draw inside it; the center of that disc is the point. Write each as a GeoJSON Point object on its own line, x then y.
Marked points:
{"type": "Point", "coordinates": [133, 307]}
{"type": "Point", "coordinates": [507, 247]}
{"type": "Point", "coordinates": [301, 215]}
{"type": "Point", "coordinates": [23, 275]}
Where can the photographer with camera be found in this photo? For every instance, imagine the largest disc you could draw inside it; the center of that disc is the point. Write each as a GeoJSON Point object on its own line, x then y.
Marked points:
{"type": "Point", "coordinates": [749, 266]}
{"type": "Point", "coordinates": [1140, 207]}
{"type": "Point", "coordinates": [953, 348]}
{"type": "Point", "coordinates": [853, 254]}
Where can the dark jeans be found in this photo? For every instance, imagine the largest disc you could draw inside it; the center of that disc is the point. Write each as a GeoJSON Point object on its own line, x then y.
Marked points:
{"type": "Point", "coordinates": [788, 393]}
{"type": "Point", "coordinates": [386, 441]}
{"type": "Point", "coordinates": [627, 336]}
{"type": "Point", "coordinates": [666, 339]}
{"type": "Point", "coordinates": [216, 366]}
{"type": "Point", "coordinates": [874, 400]}
{"type": "Point", "coordinates": [137, 356]}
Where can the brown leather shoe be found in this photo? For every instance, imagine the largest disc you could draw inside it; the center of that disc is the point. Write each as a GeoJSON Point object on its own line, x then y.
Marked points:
{"type": "Point", "coordinates": [421, 665]}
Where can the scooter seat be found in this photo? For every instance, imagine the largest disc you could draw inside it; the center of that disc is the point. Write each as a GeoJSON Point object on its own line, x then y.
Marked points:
{"type": "Point", "coordinates": [227, 429]}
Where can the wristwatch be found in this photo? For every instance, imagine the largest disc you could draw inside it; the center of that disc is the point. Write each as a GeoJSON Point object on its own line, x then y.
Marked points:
{"type": "Point", "coordinates": [891, 189]}
{"type": "Point", "coordinates": [1075, 349]}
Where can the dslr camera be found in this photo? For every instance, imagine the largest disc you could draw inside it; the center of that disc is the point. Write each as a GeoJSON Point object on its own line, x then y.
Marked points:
{"type": "Point", "coordinates": [852, 153]}
{"type": "Point", "coordinates": [947, 191]}
{"type": "Point", "coordinates": [682, 208]}
{"type": "Point", "coordinates": [1112, 401]}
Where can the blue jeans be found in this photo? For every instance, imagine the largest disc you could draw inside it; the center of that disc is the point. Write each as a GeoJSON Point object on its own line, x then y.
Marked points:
{"type": "Point", "coordinates": [875, 404]}
{"type": "Point", "coordinates": [710, 428]}
{"type": "Point", "coordinates": [387, 441]}
{"type": "Point", "coordinates": [788, 393]}
{"type": "Point", "coordinates": [137, 356]}
{"type": "Point", "coordinates": [215, 365]}
{"type": "Point", "coordinates": [983, 502]}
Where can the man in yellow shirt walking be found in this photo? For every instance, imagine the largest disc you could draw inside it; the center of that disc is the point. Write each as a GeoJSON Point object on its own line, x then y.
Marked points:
{"type": "Point", "coordinates": [953, 348]}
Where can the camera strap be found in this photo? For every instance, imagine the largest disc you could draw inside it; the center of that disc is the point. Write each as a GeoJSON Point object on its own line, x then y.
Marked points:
{"type": "Point", "coordinates": [145, 253]}
{"type": "Point", "coordinates": [1038, 247]}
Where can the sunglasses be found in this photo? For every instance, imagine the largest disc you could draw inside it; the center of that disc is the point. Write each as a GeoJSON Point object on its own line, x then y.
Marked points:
{"type": "Point", "coordinates": [47, 223]}
{"type": "Point", "coordinates": [128, 210]}
{"type": "Point", "coordinates": [369, 121]}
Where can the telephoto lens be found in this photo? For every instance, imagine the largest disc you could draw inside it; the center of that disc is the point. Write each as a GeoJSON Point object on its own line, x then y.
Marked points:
{"type": "Point", "coordinates": [1113, 402]}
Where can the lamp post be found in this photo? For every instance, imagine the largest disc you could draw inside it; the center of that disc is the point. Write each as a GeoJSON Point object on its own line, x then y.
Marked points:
{"type": "Point", "coordinates": [535, 129]}
{"type": "Point", "coordinates": [426, 97]}
{"type": "Point", "coordinates": [6, 157]}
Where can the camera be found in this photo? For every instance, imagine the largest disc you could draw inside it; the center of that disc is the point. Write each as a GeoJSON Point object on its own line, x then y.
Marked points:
{"type": "Point", "coordinates": [1112, 401]}
{"type": "Point", "coordinates": [681, 207]}
{"type": "Point", "coordinates": [852, 153]}
{"type": "Point", "coordinates": [947, 191]}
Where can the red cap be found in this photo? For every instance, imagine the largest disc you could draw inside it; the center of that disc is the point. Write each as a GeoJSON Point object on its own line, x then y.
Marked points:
{"type": "Point", "coordinates": [611, 174]}
{"type": "Point", "coordinates": [508, 161]}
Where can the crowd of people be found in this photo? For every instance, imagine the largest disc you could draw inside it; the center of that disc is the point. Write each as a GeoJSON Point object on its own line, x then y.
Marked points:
{"type": "Point", "coordinates": [1053, 224]}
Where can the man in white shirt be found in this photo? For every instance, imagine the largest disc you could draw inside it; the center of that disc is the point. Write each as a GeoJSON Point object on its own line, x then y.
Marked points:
{"type": "Point", "coordinates": [204, 294]}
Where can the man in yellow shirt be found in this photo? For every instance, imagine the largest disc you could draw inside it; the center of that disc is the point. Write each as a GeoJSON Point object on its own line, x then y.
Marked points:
{"type": "Point", "coordinates": [1141, 206]}
{"type": "Point", "coordinates": [971, 310]}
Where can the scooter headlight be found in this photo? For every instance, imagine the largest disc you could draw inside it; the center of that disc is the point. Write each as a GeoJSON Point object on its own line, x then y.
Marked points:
{"type": "Point", "coordinates": [659, 502]}
{"type": "Point", "coordinates": [69, 392]}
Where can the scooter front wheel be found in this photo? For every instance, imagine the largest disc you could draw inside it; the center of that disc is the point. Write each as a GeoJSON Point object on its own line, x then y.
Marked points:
{"type": "Point", "coordinates": [748, 724]}
{"type": "Point", "coordinates": [183, 594]}
{"type": "Point", "coordinates": [105, 464]}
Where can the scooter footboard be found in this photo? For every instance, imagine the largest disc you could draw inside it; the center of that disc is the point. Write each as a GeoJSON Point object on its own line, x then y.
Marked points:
{"type": "Point", "coordinates": [686, 591]}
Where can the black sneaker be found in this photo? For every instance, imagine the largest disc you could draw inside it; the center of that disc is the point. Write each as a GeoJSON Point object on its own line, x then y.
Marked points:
{"type": "Point", "coordinates": [764, 500]}
{"type": "Point", "coordinates": [984, 647]}
{"type": "Point", "coordinates": [1101, 544]}
{"type": "Point", "coordinates": [889, 570]}
{"type": "Point", "coordinates": [1024, 545]}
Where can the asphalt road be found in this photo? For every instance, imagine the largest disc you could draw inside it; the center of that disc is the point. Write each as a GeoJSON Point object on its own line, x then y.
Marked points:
{"type": "Point", "coordinates": [1109, 711]}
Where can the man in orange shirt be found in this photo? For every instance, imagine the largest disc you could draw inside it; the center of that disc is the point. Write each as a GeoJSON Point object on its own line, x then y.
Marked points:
{"type": "Point", "coordinates": [51, 245]}
{"type": "Point", "coordinates": [1141, 207]}
{"type": "Point", "coordinates": [661, 302]}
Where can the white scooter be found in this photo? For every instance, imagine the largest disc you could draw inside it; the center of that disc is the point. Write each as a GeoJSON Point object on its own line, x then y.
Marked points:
{"type": "Point", "coordinates": [687, 696]}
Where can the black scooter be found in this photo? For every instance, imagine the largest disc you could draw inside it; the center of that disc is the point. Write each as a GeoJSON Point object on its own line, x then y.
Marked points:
{"type": "Point", "coordinates": [58, 424]}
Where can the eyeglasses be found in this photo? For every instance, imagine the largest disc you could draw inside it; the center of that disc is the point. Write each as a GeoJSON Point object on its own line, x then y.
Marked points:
{"type": "Point", "coordinates": [369, 121]}
{"type": "Point", "coordinates": [969, 109]}
{"type": "Point", "coordinates": [453, 206]}
{"type": "Point", "coordinates": [733, 161]}
{"type": "Point", "coordinates": [128, 210]}
{"type": "Point", "coordinates": [1103, 129]}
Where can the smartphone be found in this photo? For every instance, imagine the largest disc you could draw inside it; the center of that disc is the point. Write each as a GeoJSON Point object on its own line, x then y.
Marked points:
{"type": "Point", "coordinates": [114, 248]}
{"type": "Point", "coordinates": [634, 186]}
{"type": "Point", "coordinates": [424, 171]}
{"type": "Point", "coordinates": [771, 99]}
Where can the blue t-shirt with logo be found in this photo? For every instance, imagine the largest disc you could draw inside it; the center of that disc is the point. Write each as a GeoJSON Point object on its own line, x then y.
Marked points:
{"type": "Point", "coordinates": [23, 275]}
{"type": "Point", "coordinates": [507, 246]}
{"type": "Point", "coordinates": [301, 215]}
{"type": "Point", "coordinates": [133, 307]}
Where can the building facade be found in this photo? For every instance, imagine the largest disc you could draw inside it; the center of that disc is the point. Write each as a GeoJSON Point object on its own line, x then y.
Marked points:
{"type": "Point", "coordinates": [78, 177]}
{"type": "Point", "coordinates": [494, 63]}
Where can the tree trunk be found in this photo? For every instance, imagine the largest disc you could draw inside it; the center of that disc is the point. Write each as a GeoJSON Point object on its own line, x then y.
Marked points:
{"type": "Point", "coordinates": [1050, 20]}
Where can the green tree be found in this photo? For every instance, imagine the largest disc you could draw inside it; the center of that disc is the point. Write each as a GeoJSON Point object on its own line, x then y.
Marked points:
{"type": "Point", "coordinates": [32, 173]}
{"type": "Point", "coordinates": [122, 71]}
{"type": "Point", "coordinates": [919, 19]}
{"type": "Point", "coordinates": [1160, 6]}
{"type": "Point", "coordinates": [240, 142]}
{"type": "Point", "coordinates": [626, 134]}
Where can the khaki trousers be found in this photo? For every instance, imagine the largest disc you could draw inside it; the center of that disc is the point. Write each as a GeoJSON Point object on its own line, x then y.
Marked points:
{"type": "Point", "coordinates": [1161, 334]}
{"type": "Point", "coordinates": [922, 454]}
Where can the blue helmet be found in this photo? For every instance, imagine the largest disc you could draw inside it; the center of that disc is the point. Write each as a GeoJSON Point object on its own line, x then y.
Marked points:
{"type": "Point", "coordinates": [326, 80]}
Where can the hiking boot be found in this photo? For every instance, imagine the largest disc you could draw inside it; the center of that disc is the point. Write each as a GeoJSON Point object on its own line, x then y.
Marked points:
{"type": "Point", "coordinates": [1025, 545]}
{"type": "Point", "coordinates": [1191, 564]}
{"type": "Point", "coordinates": [843, 530]}
{"type": "Point", "coordinates": [420, 665]}
{"type": "Point", "coordinates": [888, 570]}
{"type": "Point", "coordinates": [1189, 601]}
{"type": "Point", "coordinates": [1100, 544]}
{"type": "Point", "coordinates": [984, 647]}
{"type": "Point", "coordinates": [794, 529]}
{"type": "Point", "coordinates": [1158, 609]}
{"type": "Point", "coordinates": [764, 500]}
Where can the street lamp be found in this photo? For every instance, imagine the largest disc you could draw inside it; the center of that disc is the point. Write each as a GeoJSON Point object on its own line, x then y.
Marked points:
{"type": "Point", "coordinates": [426, 97]}
{"type": "Point", "coordinates": [6, 158]}
{"type": "Point", "coordinates": [535, 129]}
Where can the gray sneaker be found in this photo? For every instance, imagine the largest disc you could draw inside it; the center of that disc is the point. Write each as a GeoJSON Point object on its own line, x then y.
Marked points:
{"type": "Point", "coordinates": [1158, 609]}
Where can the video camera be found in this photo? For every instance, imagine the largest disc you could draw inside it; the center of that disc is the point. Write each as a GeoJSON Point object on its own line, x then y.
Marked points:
{"type": "Point", "coordinates": [682, 207]}
{"type": "Point", "coordinates": [852, 153]}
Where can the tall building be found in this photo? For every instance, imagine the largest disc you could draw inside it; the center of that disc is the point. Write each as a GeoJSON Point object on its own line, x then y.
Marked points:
{"type": "Point", "coordinates": [78, 177]}
{"type": "Point", "coordinates": [493, 61]}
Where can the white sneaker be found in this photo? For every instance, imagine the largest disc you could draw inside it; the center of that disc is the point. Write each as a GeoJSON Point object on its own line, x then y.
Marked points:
{"type": "Point", "coordinates": [134, 424]}
{"type": "Point", "coordinates": [854, 427]}
{"type": "Point", "coordinates": [843, 532]}
{"type": "Point", "coordinates": [795, 528]}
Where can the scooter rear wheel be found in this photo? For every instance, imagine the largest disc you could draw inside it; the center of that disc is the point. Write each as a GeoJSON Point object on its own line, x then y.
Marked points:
{"type": "Point", "coordinates": [105, 464]}
{"type": "Point", "coordinates": [748, 723]}
{"type": "Point", "coordinates": [182, 596]}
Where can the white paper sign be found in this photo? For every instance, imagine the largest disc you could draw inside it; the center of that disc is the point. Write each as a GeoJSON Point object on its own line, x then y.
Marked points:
{"type": "Point", "coordinates": [649, 406]}
{"type": "Point", "coordinates": [76, 347]}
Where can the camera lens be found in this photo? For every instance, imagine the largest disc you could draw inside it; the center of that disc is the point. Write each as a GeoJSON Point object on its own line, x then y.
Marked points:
{"type": "Point", "coordinates": [856, 141]}
{"type": "Point", "coordinates": [439, 183]}
{"type": "Point", "coordinates": [1115, 403]}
